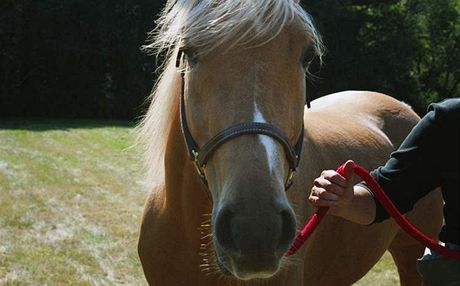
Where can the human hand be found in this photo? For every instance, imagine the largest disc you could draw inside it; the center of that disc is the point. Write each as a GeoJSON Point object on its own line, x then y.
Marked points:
{"type": "Point", "coordinates": [333, 190]}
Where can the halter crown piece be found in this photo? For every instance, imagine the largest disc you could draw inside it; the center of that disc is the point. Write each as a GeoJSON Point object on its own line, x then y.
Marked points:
{"type": "Point", "coordinates": [200, 156]}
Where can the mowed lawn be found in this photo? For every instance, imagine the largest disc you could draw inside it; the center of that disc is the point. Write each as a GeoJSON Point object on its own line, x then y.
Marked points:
{"type": "Point", "coordinates": [71, 199]}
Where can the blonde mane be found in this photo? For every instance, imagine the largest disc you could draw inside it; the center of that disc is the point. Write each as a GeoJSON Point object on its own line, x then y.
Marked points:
{"type": "Point", "coordinates": [205, 25]}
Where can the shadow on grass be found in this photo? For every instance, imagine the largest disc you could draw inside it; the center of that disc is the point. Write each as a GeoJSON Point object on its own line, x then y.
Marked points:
{"type": "Point", "coordinates": [40, 124]}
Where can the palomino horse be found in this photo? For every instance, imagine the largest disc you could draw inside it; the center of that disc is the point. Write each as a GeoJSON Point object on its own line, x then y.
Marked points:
{"type": "Point", "coordinates": [244, 62]}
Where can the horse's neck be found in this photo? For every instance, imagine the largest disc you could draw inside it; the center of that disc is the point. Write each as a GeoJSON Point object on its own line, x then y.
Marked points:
{"type": "Point", "coordinates": [185, 196]}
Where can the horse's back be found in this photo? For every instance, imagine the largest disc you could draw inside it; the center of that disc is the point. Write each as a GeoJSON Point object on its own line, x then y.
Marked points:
{"type": "Point", "coordinates": [361, 111]}
{"type": "Point", "coordinates": [358, 100]}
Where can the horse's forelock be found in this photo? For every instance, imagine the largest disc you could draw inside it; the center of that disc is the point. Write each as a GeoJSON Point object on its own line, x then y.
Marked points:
{"type": "Point", "coordinates": [207, 24]}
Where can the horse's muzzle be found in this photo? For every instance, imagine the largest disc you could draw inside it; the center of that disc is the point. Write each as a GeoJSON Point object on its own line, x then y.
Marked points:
{"type": "Point", "coordinates": [250, 244]}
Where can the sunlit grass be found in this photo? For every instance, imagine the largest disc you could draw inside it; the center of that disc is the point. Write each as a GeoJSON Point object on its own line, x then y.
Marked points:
{"type": "Point", "coordinates": [70, 204]}
{"type": "Point", "coordinates": [384, 273]}
{"type": "Point", "coordinates": [71, 197]}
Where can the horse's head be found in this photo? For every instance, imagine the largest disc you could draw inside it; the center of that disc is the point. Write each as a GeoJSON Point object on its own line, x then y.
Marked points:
{"type": "Point", "coordinates": [245, 61]}
{"type": "Point", "coordinates": [253, 223]}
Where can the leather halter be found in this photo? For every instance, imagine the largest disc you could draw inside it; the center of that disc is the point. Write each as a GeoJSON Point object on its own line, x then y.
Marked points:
{"type": "Point", "coordinates": [200, 156]}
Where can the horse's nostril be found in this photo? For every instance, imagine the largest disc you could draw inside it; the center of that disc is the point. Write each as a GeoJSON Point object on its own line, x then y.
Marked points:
{"type": "Point", "coordinates": [288, 230]}
{"type": "Point", "coordinates": [224, 233]}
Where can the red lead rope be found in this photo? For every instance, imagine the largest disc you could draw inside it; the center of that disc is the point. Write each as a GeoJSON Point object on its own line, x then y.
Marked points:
{"type": "Point", "coordinates": [389, 207]}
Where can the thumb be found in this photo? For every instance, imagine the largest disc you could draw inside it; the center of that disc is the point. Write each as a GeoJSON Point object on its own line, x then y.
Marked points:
{"type": "Point", "coordinates": [348, 170]}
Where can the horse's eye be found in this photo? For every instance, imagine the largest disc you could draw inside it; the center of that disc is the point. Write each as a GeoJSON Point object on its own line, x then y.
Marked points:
{"type": "Point", "coordinates": [191, 56]}
{"type": "Point", "coordinates": [307, 57]}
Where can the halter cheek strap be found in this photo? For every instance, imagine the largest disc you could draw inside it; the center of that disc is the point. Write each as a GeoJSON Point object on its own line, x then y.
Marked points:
{"type": "Point", "coordinates": [201, 156]}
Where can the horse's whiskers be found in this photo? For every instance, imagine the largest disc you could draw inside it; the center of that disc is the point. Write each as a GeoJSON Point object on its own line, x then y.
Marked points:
{"type": "Point", "coordinates": [289, 262]}
{"type": "Point", "coordinates": [208, 264]}
{"type": "Point", "coordinates": [206, 236]}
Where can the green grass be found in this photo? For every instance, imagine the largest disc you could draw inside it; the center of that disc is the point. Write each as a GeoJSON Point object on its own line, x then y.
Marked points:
{"type": "Point", "coordinates": [384, 273]}
{"type": "Point", "coordinates": [70, 203]}
{"type": "Point", "coordinates": [71, 199]}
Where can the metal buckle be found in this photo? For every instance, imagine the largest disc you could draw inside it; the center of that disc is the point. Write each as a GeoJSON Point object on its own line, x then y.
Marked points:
{"type": "Point", "coordinates": [289, 180]}
{"type": "Point", "coordinates": [199, 168]}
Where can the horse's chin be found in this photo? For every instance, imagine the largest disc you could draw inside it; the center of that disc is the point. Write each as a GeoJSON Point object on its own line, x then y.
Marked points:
{"type": "Point", "coordinates": [225, 266]}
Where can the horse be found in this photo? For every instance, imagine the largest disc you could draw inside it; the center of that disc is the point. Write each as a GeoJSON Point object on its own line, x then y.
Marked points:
{"type": "Point", "coordinates": [233, 87]}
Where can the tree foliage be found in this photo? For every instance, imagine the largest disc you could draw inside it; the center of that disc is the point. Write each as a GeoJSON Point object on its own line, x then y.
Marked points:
{"type": "Point", "coordinates": [408, 49]}
{"type": "Point", "coordinates": [80, 58]}
{"type": "Point", "coordinates": [74, 58]}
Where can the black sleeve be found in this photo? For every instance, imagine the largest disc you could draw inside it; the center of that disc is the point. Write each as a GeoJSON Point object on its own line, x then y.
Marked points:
{"type": "Point", "coordinates": [414, 169]}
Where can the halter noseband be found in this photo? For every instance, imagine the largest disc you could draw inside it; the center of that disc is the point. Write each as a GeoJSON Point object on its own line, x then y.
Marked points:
{"type": "Point", "coordinates": [200, 156]}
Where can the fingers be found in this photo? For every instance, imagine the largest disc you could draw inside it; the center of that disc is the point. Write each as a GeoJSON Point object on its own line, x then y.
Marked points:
{"type": "Point", "coordinates": [334, 177]}
{"type": "Point", "coordinates": [332, 189]}
{"type": "Point", "coordinates": [324, 195]}
{"type": "Point", "coordinates": [329, 186]}
{"type": "Point", "coordinates": [316, 201]}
